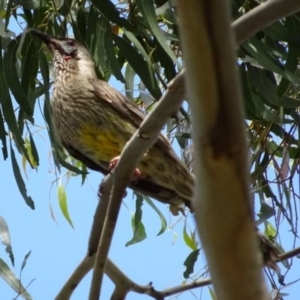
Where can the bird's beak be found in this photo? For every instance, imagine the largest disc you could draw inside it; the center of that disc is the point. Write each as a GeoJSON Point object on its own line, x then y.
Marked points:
{"type": "Point", "coordinates": [51, 42]}
{"type": "Point", "coordinates": [47, 39]}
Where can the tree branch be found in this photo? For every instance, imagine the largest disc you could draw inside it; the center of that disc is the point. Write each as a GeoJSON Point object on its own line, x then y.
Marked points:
{"type": "Point", "coordinates": [262, 16]}
{"type": "Point", "coordinates": [221, 189]}
{"type": "Point", "coordinates": [124, 284]}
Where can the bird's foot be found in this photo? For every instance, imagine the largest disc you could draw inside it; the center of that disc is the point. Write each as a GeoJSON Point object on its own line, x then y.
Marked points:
{"type": "Point", "coordinates": [113, 163]}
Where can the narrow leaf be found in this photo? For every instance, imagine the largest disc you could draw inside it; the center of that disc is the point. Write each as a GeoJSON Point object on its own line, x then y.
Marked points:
{"type": "Point", "coordinates": [148, 11]}
{"type": "Point", "coordinates": [129, 81]}
{"type": "Point", "coordinates": [8, 111]}
{"type": "Point", "coordinates": [3, 137]}
{"type": "Point", "coordinates": [111, 56]}
{"type": "Point", "coordinates": [109, 10]}
{"type": "Point", "coordinates": [19, 179]}
{"type": "Point", "coordinates": [161, 216]}
{"type": "Point", "coordinates": [25, 260]}
{"type": "Point", "coordinates": [5, 238]}
{"type": "Point", "coordinates": [139, 233]}
{"type": "Point", "coordinates": [190, 263]}
{"type": "Point", "coordinates": [10, 278]}
{"type": "Point", "coordinates": [12, 77]}
{"type": "Point", "coordinates": [258, 50]}
{"type": "Point", "coordinates": [188, 239]}
{"type": "Point", "coordinates": [63, 203]}
{"type": "Point", "coordinates": [138, 64]}
{"type": "Point", "coordinates": [33, 152]}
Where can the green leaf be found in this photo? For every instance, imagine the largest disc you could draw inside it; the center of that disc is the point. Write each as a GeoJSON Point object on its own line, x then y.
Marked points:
{"type": "Point", "coordinates": [29, 64]}
{"type": "Point", "coordinates": [91, 31]}
{"type": "Point", "coordinates": [139, 233]}
{"type": "Point", "coordinates": [63, 203]}
{"type": "Point", "coordinates": [182, 140]}
{"type": "Point", "coordinates": [190, 263]}
{"type": "Point", "coordinates": [10, 278]}
{"type": "Point", "coordinates": [258, 50]}
{"type": "Point", "coordinates": [279, 32]}
{"type": "Point", "coordinates": [12, 78]}
{"type": "Point", "coordinates": [3, 137]}
{"type": "Point", "coordinates": [212, 293]}
{"type": "Point", "coordinates": [8, 111]}
{"type": "Point", "coordinates": [64, 10]}
{"type": "Point", "coordinates": [31, 4]}
{"type": "Point", "coordinates": [138, 64]}
{"type": "Point", "coordinates": [291, 65]}
{"type": "Point", "coordinates": [100, 51]}
{"type": "Point", "coordinates": [81, 22]}
{"type": "Point", "coordinates": [111, 56]}
{"type": "Point", "coordinates": [189, 239]}
{"type": "Point", "coordinates": [19, 179]}
{"type": "Point", "coordinates": [5, 239]}
{"type": "Point", "coordinates": [165, 61]}
{"type": "Point", "coordinates": [145, 55]}
{"type": "Point", "coordinates": [270, 231]}
{"type": "Point", "coordinates": [129, 81]}
{"type": "Point", "coordinates": [33, 152]}
{"type": "Point", "coordinates": [148, 11]}
{"type": "Point", "coordinates": [8, 12]}
{"type": "Point", "coordinates": [25, 260]}
{"type": "Point", "coordinates": [108, 9]}
{"type": "Point", "coordinates": [161, 216]}
{"type": "Point", "coordinates": [265, 213]}
{"type": "Point", "coordinates": [268, 90]}
{"type": "Point", "coordinates": [252, 113]}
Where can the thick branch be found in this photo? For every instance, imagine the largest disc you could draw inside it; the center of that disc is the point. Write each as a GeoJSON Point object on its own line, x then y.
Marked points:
{"type": "Point", "coordinates": [221, 193]}
{"type": "Point", "coordinates": [262, 16]}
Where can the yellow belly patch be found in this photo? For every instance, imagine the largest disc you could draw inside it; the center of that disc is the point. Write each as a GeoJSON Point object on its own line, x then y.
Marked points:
{"type": "Point", "coordinates": [102, 143]}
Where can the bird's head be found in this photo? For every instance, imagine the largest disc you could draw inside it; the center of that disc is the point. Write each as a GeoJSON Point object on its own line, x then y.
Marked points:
{"type": "Point", "coordinates": [68, 55]}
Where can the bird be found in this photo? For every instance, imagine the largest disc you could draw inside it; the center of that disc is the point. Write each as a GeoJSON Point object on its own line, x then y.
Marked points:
{"type": "Point", "coordinates": [94, 121]}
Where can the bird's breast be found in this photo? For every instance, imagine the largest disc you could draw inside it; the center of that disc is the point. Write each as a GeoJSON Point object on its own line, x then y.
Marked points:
{"type": "Point", "coordinates": [94, 129]}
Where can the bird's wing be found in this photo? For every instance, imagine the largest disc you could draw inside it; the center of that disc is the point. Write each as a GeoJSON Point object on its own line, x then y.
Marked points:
{"type": "Point", "coordinates": [142, 185]}
{"type": "Point", "coordinates": [127, 109]}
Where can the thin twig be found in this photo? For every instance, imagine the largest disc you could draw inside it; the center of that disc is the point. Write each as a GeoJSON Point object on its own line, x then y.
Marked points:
{"type": "Point", "coordinates": [289, 254]}
{"type": "Point", "coordinates": [124, 284]}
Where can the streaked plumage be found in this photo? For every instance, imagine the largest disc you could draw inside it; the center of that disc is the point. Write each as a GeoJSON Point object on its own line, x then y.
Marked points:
{"type": "Point", "coordinates": [94, 121]}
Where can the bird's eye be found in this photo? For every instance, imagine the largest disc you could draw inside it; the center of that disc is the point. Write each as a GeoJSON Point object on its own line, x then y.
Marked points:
{"type": "Point", "coordinates": [70, 42]}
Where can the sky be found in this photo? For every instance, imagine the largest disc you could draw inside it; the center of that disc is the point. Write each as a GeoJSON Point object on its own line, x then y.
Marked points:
{"type": "Point", "coordinates": [56, 248]}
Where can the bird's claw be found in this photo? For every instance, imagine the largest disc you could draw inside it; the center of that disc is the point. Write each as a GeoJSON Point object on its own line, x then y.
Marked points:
{"type": "Point", "coordinates": [113, 163]}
